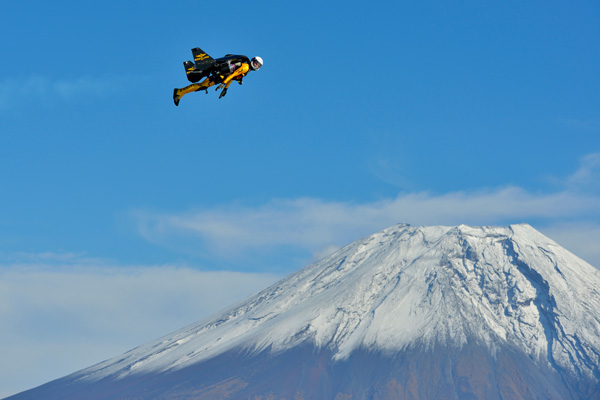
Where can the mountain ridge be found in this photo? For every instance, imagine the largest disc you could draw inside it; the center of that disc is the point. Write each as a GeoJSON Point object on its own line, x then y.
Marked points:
{"type": "Point", "coordinates": [485, 291]}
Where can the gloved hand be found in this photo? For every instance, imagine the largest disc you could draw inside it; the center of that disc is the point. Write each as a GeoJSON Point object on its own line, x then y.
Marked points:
{"type": "Point", "coordinates": [223, 93]}
{"type": "Point", "coordinates": [221, 86]}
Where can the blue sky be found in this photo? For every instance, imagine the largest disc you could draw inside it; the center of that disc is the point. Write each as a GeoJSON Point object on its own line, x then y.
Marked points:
{"type": "Point", "coordinates": [363, 116]}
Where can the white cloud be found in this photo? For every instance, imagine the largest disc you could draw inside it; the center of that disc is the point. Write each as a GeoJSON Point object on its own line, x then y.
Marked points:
{"type": "Point", "coordinates": [313, 224]}
{"type": "Point", "coordinates": [56, 320]}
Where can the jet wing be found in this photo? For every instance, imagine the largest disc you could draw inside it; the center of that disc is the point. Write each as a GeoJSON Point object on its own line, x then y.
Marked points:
{"type": "Point", "coordinates": [201, 59]}
{"type": "Point", "coordinates": [200, 67]}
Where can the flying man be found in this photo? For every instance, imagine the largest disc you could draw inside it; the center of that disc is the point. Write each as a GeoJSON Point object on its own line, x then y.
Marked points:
{"type": "Point", "coordinates": [221, 71]}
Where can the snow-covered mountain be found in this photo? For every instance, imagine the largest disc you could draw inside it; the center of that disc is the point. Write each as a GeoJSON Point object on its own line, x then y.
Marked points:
{"type": "Point", "coordinates": [409, 312]}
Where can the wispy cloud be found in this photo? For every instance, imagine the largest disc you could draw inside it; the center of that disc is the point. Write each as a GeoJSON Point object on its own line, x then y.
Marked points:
{"type": "Point", "coordinates": [314, 224]}
{"type": "Point", "coordinates": [58, 318]}
{"type": "Point", "coordinates": [38, 89]}
{"type": "Point", "coordinates": [587, 177]}
{"type": "Point", "coordinates": [390, 170]}
{"type": "Point", "coordinates": [49, 259]}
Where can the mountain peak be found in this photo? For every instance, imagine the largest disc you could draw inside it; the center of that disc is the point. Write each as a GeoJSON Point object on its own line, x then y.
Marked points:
{"type": "Point", "coordinates": [500, 289]}
{"type": "Point", "coordinates": [406, 285]}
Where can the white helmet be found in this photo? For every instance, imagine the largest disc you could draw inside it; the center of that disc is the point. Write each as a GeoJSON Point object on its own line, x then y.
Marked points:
{"type": "Point", "coordinates": [256, 63]}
